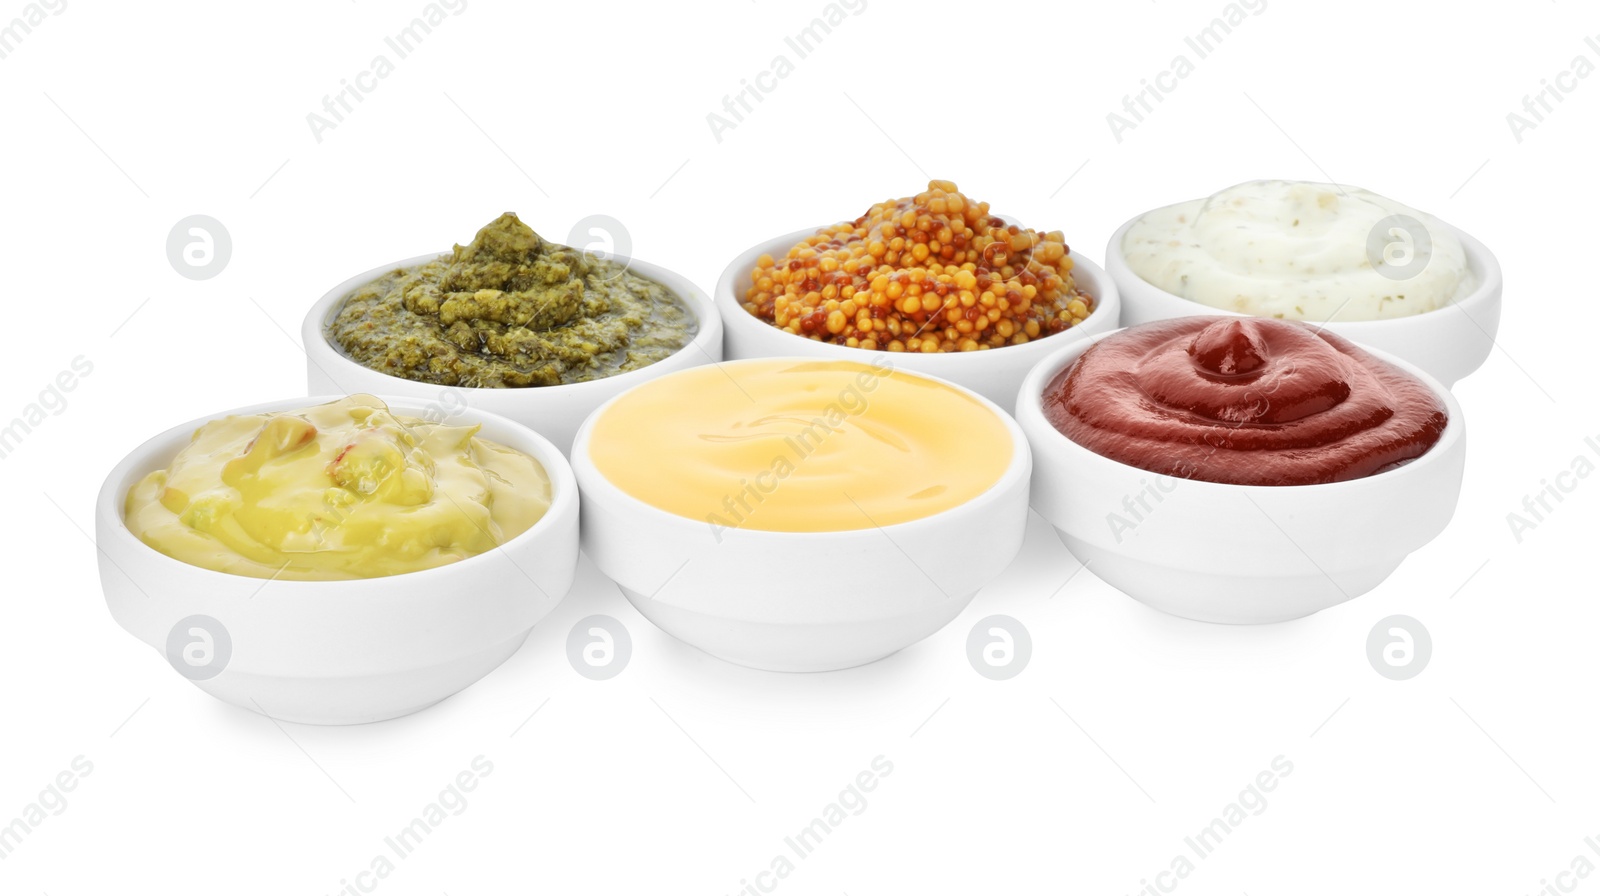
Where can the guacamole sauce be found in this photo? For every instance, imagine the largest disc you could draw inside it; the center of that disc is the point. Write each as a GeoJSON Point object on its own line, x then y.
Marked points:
{"type": "Point", "coordinates": [345, 490]}
{"type": "Point", "coordinates": [511, 310]}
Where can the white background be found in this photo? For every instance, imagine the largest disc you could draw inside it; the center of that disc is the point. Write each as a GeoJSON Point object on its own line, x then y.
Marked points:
{"type": "Point", "coordinates": [684, 774]}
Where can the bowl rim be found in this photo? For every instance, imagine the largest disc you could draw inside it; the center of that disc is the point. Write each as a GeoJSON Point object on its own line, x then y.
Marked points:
{"type": "Point", "coordinates": [1479, 259]}
{"type": "Point", "coordinates": [318, 347]}
{"type": "Point", "coordinates": [1020, 467]}
{"type": "Point", "coordinates": [1106, 295]}
{"type": "Point", "coordinates": [1030, 416]}
{"type": "Point", "coordinates": [111, 500]}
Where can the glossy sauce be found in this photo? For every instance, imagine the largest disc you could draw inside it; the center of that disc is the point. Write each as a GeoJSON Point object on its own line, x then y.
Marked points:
{"type": "Point", "coordinates": [1244, 401]}
{"type": "Point", "coordinates": [800, 446]}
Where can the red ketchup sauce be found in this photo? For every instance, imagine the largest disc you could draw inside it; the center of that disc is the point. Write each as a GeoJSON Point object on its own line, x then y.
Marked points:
{"type": "Point", "coordinates": [1246, 401]}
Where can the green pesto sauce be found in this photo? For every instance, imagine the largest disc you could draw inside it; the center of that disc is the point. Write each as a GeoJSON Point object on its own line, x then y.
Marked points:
{"type": "Point", "coordinates": [511, 310]}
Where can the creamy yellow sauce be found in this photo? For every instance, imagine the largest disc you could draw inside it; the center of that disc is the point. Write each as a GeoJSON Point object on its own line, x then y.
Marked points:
{"type": "Point", "coordinates": [800, 446]}
{"type": "Point", "coordinates": [344, 490]}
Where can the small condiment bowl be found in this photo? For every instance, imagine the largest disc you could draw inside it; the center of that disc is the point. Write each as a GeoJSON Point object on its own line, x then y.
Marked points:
{"type": "Point", "coordinates": [1448, 343]}
{"type": "Point", "coordinates": [802, 601]}
{"type": "Point", "coordinates": [339, 652]}
{"type": "Point", "coordinates": [553, 411]}
{"type": "Point", "coordinates": [994, 373]}
{"type": "Point", "coordinates": [1217, 552]}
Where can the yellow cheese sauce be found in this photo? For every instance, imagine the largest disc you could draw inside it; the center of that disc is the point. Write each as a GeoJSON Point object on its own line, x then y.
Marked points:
{"type": "Point", "coordinates": [800, 446]}
{"type": "Point", "coordinates": [344, 490]}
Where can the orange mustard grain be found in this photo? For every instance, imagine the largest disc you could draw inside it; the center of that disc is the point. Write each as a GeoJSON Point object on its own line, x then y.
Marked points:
{"type": "Point", "coordinates": [934, 272]}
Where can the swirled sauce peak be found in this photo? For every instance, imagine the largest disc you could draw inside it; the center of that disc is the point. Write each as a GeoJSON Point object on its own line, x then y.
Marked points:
{"type": "Point", "coordinates": [1245, 401]}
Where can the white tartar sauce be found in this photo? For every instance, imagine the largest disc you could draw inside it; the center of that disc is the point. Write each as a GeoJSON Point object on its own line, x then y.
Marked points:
{"type": "Point", "coordinates": [1301, 251]}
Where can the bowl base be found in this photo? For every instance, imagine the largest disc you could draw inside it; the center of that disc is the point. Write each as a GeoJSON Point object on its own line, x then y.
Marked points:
{"type": "Point", "coordinates": [356, 700]}
{"type": "Point", "coordinates": [1224, 598]}
{"type": "Point", "coordinates": [797, 647]}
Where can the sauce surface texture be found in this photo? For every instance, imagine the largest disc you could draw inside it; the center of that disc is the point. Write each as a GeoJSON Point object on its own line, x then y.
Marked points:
{"type": "Point", "coordinates": [1301, 251]}
{"type": "Point", "coordinates": [934, 272]}
{"type": "Point", "coordinates": [344, 490]}
{"type": "Point", "coordinates": [1244, 401]}
{"type": "Point", "coordinates": [800, 446]}
{"type": "Point", "coordinates": [511, 310]}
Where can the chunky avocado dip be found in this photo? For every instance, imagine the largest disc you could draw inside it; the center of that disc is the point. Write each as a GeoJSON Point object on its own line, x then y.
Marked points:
{"type": "Point", "coordinates": [510, 310]}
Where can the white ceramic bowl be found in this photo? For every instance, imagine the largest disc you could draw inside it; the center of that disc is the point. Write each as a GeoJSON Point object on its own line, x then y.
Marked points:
{"type": "Point", "coordinates": [345, 652]}
{"type": "Point", "coordinates": [553, 411]}
{"type": "Point", "coordinates": [995, 374]}
{"type": "Point", "coordinates": [1448, 343]}
{"type": "Point", "coordinates": [1236, 553]}
{"type": "Point", "coordinates": [854, 597]}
